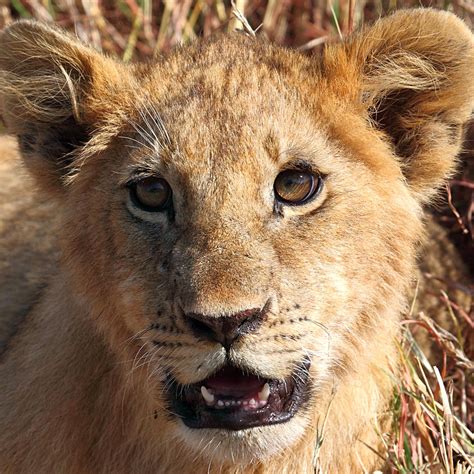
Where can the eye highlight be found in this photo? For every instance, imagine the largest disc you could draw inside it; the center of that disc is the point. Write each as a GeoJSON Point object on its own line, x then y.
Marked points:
{"type": "Point", "coordinates": [151, 194]}
{"type": "Point", "coordinates": [295, 187]}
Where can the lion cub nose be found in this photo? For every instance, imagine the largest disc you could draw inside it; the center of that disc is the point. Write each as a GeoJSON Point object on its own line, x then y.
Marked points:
{"type": "Point", "coordinates": [225, 329]}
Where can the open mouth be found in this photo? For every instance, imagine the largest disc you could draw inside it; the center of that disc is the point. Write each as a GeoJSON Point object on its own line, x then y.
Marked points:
{"type": "Point", "coordinates": [234, 400]}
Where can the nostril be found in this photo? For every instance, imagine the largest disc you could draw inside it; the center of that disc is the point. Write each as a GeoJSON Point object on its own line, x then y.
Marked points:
{"type": "Point", "coordinates": [201, 329]}
{"type": "Point", "coordinates": [226, 329]}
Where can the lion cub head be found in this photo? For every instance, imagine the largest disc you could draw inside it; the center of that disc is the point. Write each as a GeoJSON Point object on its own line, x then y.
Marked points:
{"type": "Point", "coordinates": [240, 219]}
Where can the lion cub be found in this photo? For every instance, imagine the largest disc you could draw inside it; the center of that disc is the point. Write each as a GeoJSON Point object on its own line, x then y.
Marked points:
{"type": "Point", "coordinates": [201, 254]}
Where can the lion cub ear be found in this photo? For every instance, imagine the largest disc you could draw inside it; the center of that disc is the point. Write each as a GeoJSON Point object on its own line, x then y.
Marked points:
{"type": "Point", "coordinates": [411, 74]}
{"type": "Point", "coordinates": [54, 93]}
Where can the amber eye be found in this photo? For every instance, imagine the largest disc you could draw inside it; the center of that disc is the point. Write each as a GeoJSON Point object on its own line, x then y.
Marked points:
{"type": "Point", "coordinates": [151, 194]}
{"type": "Point", "coordinates": [296, 186]}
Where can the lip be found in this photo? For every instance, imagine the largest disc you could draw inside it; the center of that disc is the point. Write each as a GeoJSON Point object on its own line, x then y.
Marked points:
{"type": "Point", "coordinates": [233, 391]}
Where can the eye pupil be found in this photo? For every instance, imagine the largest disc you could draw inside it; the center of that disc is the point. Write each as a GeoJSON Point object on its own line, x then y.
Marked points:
{"type": "Point", "coordinates": [296, 186]}
{"type": "Point", "coordinates": [151, 194]}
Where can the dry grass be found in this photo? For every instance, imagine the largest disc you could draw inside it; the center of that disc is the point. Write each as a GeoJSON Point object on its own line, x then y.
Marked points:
{"type": "Point", "coordinates": [135, 29]}
{"type": "Point", "coordinates": [433, 406]}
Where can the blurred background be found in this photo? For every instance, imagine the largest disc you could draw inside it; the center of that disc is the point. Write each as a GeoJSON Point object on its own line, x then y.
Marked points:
{"type": "Point", "coordinates": [429, 435]}
{"type": "Point", "coordinates": [134, 29]}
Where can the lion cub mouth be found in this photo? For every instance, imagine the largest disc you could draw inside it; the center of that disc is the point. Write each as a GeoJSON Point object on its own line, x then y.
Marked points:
{"type": "Point", "coordinates": [234, 399]}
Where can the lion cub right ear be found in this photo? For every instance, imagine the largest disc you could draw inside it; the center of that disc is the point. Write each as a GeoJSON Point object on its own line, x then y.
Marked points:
{"type": "Point", "coordinates": [411, 76]}
{"type": "Point", "coordinates": [55, 93]}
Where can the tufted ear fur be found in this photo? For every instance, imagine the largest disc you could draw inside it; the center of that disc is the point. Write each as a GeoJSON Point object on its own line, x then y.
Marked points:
{"type": "Point", "coordinates": [54, 92]}
{"type": "Point", "coordinates": [411, 75]}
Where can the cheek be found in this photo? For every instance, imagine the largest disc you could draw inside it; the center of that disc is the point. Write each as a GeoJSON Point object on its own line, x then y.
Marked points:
{"type": "Point", "coordinates": [134, 300]}
{"type": "Point", "coordinates": [333, 264]}
{"type": "Point", "coordinates": [313, 268]}
{"type": "Point", "coordinates": [109, 255]}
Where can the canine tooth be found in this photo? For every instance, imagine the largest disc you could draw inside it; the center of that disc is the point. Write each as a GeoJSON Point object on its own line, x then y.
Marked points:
{"type": "Point", "coordinates": [264, 393]}
{"type": "Point", "coordinates": [209, 397]}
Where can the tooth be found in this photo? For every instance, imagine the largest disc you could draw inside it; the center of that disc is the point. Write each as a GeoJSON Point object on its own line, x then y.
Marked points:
{"type": "Point", "coordinates": [227, 404]}
{"type": "Point", "coordinates": [209, 397]}
{"type": "Point", "coordinates": [220, 403]}
{"type": "Point", "coordinates": [264, 393]}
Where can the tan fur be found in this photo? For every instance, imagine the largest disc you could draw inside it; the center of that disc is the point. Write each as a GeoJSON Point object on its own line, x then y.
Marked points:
{"type": "Point", "coordinates": [380, 116]}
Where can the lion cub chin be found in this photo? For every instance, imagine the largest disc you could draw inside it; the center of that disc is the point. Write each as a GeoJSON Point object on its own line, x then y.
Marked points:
{"type": "Point", "coordinates": [205, 258]}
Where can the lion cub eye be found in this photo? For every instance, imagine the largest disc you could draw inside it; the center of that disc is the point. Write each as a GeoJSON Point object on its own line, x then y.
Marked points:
{"type": "Point", "coordinates": [151, 194]}
{"type": "Point", "coordinates": [296, 187]}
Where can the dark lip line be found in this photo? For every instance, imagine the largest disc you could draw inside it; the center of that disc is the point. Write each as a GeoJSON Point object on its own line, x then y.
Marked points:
{"type": "Point", "coordinates": [298, 397]}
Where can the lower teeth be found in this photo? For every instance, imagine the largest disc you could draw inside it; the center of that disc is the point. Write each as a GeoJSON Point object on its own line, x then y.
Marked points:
{"type": "Point", "coordinates": [247, 406]}
{"type": "Point", "coordinates": [251, 404]}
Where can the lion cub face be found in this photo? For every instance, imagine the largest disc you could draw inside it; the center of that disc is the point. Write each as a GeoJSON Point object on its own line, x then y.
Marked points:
{"type": "Point", "coordinates": [236, 216]}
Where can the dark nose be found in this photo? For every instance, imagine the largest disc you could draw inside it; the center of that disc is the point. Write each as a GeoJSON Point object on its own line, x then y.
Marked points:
{"type": "Point", "coordinates": [225, 329]}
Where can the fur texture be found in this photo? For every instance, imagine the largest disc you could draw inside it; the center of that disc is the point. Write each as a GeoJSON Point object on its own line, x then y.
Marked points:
{"type": "Point", "coordinates": [97, 280]}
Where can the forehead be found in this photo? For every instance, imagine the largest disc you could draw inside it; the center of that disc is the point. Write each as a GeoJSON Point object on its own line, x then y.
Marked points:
{"type": "Point", "coordinates": [234, 101]}
{"type": "Point", "coordinates": [228, 96]}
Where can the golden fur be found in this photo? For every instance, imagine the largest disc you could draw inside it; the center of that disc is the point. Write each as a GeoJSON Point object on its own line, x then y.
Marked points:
{"type": "Point", "coordinates": [86, 275]}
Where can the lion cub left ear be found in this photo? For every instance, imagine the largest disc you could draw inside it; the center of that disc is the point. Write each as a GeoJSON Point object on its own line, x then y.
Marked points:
{"type": "Point", "coordinates": [411, 74]}
{"type": "Point", "coordinates": [56, 95]}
